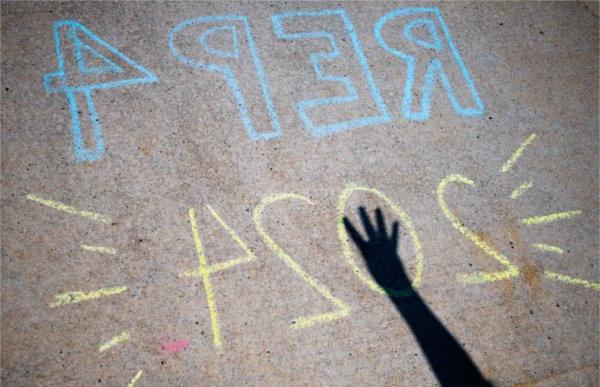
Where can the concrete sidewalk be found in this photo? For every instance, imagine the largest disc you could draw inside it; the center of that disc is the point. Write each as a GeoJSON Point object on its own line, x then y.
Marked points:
{"type": "Point", "coordinates": [174, 175]}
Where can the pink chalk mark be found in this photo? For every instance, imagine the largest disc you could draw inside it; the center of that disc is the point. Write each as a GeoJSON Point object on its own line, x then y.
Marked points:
{"type": "Point", "coordinates": [175, 346]}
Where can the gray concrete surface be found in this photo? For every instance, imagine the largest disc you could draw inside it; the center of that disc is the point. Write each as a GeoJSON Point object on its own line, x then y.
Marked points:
{"type": "Point", "coordinates": [179, 143]}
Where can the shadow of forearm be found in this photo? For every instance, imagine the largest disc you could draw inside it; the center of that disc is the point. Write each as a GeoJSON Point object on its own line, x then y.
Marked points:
{"type": "Point", "coordinates": [449, 361]}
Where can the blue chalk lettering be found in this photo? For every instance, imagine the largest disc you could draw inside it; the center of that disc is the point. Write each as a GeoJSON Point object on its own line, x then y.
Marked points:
{"type": "Point", "coordinates": [81, 153]}
{"type": "Point", "coordinates": [434, 44]}
{"type": "Point", "coordinates": [316, 58]}
{"type": "Point", "coordinates": [234, 52]}
{"type": "Point", "coordinates": [226, 70]}
{"type": "Point", "coordinates": [435, 67]}
{"type": "Point", "coordinates": [59, 82]}
{"type": "Point", "coordinates": [107, 66]}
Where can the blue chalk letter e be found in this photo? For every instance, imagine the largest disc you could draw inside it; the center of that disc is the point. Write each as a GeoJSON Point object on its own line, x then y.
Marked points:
{"type": "Point", "coordinates": [322, 59]}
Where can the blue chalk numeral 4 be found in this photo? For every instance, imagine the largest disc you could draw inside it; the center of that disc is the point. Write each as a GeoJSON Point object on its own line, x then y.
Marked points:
{"type": "Point", "coordinates": [95, 65]}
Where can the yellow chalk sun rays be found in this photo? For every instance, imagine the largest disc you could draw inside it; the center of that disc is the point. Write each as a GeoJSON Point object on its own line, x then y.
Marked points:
{"type": "Point", "coordinates": [542, 219]}
{"type": "Point", "coordinates": [510, 271]}
{"type": "Point", "coordinates": [74, 297]}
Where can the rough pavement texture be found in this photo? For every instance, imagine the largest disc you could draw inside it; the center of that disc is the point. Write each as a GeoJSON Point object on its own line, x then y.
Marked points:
{"type": "Point", "coordinates": [179, 143]}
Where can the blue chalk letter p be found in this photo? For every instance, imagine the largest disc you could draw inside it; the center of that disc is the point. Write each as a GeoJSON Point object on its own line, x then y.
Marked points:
{"type": "Point", "coordinates": [429, 40]}
{"type": "Point", "coordinates": [210, 43]}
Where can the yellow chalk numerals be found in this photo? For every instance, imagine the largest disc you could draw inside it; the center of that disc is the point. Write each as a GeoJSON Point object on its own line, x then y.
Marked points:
{"type": "Point", "coordinates": [204, 269]}
{"type": "Point", "coordinates": [305, 321]}
{"type": "Point", "coordinates": [476, 278]}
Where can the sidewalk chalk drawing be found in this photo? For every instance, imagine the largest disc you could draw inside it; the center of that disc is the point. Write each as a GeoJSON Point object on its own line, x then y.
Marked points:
{"type": "Point", "coordinates": [96, 65]}
{"type": "Point", "coordinates": [431, 20]}
{"type": "Point", "coordinates": [317, 58]}
{"type": "Point", "coordinates": [87, 48]}
{"type": "Point", "coordinates": [223, 61]}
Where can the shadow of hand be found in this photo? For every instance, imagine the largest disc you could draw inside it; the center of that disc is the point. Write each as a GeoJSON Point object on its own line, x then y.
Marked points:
{"type": "Point", "coordinates": [451, 364]}
{"type": "Point", "coordinates": [380, 253]}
